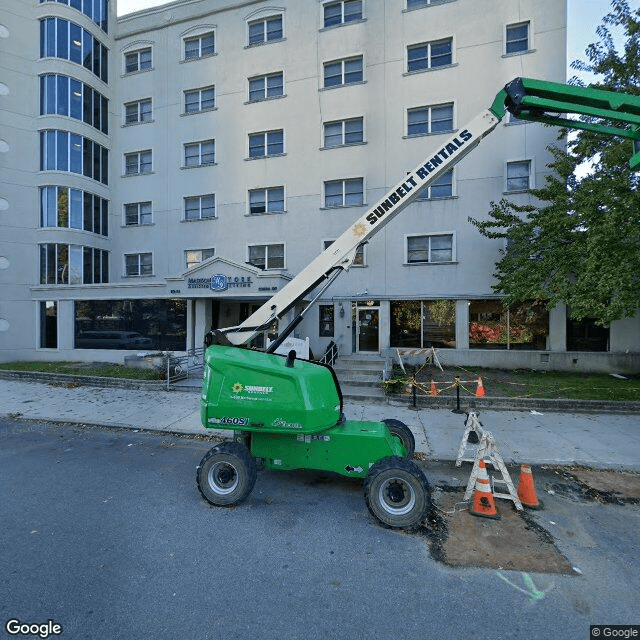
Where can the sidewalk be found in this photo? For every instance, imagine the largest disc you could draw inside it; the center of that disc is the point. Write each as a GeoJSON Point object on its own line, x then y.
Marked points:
{"type": "Point", "coordinates": [607, 441]}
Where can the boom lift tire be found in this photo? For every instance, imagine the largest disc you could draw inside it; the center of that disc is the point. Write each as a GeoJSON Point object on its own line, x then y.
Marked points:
{"type": "Point", "coordinates": [401, 431]}
{"type": "Point", "coordinates": [397, 493]}
{"type": "Point", "coordinates": [226, 474]}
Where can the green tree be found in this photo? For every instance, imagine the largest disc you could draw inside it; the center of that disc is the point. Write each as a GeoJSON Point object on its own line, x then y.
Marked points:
{"type": "Point", "coordinates": [580, 242]}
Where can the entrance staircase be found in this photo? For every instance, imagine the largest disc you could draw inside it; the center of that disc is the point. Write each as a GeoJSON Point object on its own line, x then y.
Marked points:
{"type": "Point", "coordinates": [360, 377]}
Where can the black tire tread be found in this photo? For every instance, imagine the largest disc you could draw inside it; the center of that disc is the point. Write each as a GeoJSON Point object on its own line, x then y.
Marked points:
{"type": "Point", "coordinates": [400, 430]}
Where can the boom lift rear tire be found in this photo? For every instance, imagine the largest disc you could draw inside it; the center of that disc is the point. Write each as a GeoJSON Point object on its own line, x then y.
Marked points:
{"type": "Point", "coordinates": [401, 431]}
{"type": "Point", "coordinates": [397, 493]}
{"type": "Point", "coordinates": [226, 474]}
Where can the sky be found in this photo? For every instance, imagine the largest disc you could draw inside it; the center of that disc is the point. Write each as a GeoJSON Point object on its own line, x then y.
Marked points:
{"type": "Point", "coordinates": [583, 18]}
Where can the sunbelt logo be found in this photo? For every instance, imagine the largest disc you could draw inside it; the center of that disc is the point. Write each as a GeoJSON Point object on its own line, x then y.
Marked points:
{"type": "Point", "coordinates": [252, 389]}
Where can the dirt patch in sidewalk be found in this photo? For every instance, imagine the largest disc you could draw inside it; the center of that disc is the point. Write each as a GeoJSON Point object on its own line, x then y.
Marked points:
{"type": "Point", "coordinates": [515, 542]}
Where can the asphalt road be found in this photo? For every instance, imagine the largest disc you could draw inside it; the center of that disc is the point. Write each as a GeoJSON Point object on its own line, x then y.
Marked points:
{"type": "Point", "coordinates": [104, 533]}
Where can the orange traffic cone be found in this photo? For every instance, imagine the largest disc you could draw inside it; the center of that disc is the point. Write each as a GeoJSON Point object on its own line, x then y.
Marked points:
{"type": "Point", "coordinates": [484, 504]}
{"type": "Point", "coordinates": [527, 490]}
{"type": "Point", "coordinates": [434, 390]}
{"type": "Point", "coordinates": [480, 390]}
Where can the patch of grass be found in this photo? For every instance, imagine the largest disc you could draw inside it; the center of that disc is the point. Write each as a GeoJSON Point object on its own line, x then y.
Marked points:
{"type": "Point", "coordinates": [533, 384]}
{"type": "Point", "coordinates": [100, 369]}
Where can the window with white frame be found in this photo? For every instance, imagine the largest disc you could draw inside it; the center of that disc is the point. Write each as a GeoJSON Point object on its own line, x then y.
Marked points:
{"type": "Point", "coordinates": [343, 12]}
{"type": "Point", "coordinates": [266, 86]}
{"type": "Point", "coordinates": [359, 260]}
{"type": "Point", "coordinates": [137, 163]}
{"type": "Point", "coordinates": [430, 248]}
{"type": "Point", "coordinates": [431, 119]}
{"type": "Point", "coordinates": [269, 200]}
{"type": "Point", "coordinates": [138, 264]}
{"type": "Point", "coordinates": [266, 143]}
{"type": "Point", "coordinates": [199, 46]}
{"type": "Point", "coordinates": [265, 30]}
{"type": "Point", "coordinates": [517, 38]}
{"type": "Point", "coordinates": [200, 207]}
{"type": "Point", "coordinates": [342, 72]}
{"type": "Point", "coordinates": [266, 256]}
{"type": "Point", "coordinates": [139, 60]}
{"type": "Point", "coordinates": [199, 154]}
{"type": "Point", "coordinates": [430, 55]}
{"type": "Point", "coordinates": [442, 187]}
{"type": "Point", "coordinates": [196, 100]}
{"type": "Point", "coordinates": [137, 213]}
{"type": "Point", "coordinates": [343, 132]}
{"type": "Point", "coordinates": [518, 175]}
{"type": "Point", "coordinates": [344, 193]}
{"type": "Point", "coordinates": [194, 257]}
{"type": "Point", "coordinates": [138, 111]}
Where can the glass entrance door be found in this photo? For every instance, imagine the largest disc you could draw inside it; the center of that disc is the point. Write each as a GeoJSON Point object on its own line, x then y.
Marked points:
{"type": "Point", "coordinates": [367, 327]}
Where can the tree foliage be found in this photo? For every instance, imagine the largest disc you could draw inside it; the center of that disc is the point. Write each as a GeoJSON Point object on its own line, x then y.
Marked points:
{"type": "Point", "coordinates": [579, 243]}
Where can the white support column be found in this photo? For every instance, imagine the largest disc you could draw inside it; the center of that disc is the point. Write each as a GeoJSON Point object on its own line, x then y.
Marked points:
{"type": "Point", "coordinates": [558, 328]}
{"type": "Point", "coordinates": [462, 324]}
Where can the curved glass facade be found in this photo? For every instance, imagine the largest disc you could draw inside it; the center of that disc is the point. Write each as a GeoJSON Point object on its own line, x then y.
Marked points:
{"type": "Point", "coordinates": [65, 96]}
{"type": "Point", "coordinates": [66, 151]}
{"type": "Point", "coordinates": [67, 208]}
{"type": "Point", "coordinates": [96, 10]}
{"type": "Point", "coordinates": [61, 38]}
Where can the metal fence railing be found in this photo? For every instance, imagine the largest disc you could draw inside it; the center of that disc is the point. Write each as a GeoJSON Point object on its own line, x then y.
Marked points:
{"type": "Point", "coordinates": [331, 354]}
{"type": "Point", "coordinates": [180, 366]}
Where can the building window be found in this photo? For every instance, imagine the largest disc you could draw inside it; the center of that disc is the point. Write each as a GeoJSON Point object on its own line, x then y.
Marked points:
{"type": "Point", "coordinates": [267, 256]}
{"type": "Point", "coordinates": [586, 335]}
{"type": "Point", "coordinates": [48, 324]}
{"type": "Point", "coordinates": [430, 55]}
{"type": "Point", "coordinates": [327, 320]}
{"type": "Point", "coordinates": [137, 213]}
{"type": "Point", "coordinates": [343, 132]}
{"type": "Point", "coordinates": [199, 154]}
{"type": "Point", "coordinates": [267, 86]}
{"type": "Point", "coordinates": [266, 143]}
{"type": "Point", "coordinates": [138, 264]}
{"type": "Point", "coordinates": [517, 38]}
{"type": "Point", "coordinates": [344, 193]}
{"type": "Point", "coordinates": [434, 119]}
{"type": "Point", "coordinates": [73, 264]}
{"type": "Point", "coordinates": [63, 39]}
{"type": "Point", "coordinates": [525, 325]}
{"type": "Point", "coordinates": [96, 11]}
{"type": "Point", "coordinates": [342, 72]}
{"type": "Point", "coordinates": [423, 323]}
{"type": "Point", "coordinates": [200, 207]}
{"type": "Point", "coordinates": [196, 100]}
{"type": "Point", "coordinates": [270, 200]}
{"type": "Point", "coordinates": [137, 163]}
{"type": "Point", "coordinates": [74, 209]}
{"type": "Point", "coordinates": [139, 60]}
{"type": "Point", "coordinates": [64, 151]}
{"type": "Point", "coordinates": [195, 256]}
{"type": "Point", "coordinates": [430, 248]}
{"type": "Point", "coordinates": [359, 260]}
{"type": "Point", "coordinates": [138, 111]}
{"type": "Point", "coordinates": [142, 324]}
{"type": "Point", "coordinates": [265, 30]}
{"type": "Point", "coordinates": [66, 96]}
{"type": "Point", "coordinates": [336, 13]}
{"type": "Point", "coordinates": [199, 46]}
{"type": "Point", "coordinates": [518, 175]}
{"type": "Point", "coordinates": [442, 187]}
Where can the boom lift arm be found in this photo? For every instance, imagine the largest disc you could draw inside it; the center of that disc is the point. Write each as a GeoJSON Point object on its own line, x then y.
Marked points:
{"type": "Point", "coordinates": [528, 99]}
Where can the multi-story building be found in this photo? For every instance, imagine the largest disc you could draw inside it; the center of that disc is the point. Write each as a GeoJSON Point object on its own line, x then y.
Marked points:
{"type": "Point", "coordinates": [167, 171]}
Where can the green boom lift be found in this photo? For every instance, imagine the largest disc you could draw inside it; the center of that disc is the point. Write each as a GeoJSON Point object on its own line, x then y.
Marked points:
{"type": "Point", "coordinates": [287, 412]}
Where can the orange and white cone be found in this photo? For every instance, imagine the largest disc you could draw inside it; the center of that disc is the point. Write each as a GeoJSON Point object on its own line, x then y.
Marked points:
{"type": "Point", "coordinates": [434, 390]}
{"type": "Point", "coordinates": [527, 490]}
{"type": "Point", "coordinates": [483, 504]}
{"type": "Point", "coordinates": [480, 390]}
